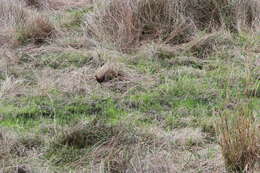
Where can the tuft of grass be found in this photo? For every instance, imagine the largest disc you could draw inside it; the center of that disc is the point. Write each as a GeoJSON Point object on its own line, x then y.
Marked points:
{"type": "Point", "coordinates": [233, 15]}
{"type": "Point", "coordinates": [237, 138]}
{"type": "Point", "coordinates": [72, 143]}
{"type": "Point", "coordinates": [127, 23]}
{"type": "Point", "coordinates": [93, 141]}
{"type": "Point", "coordinates": [36, 29]}
{"type": "Point", "coordinates": [84, 135]}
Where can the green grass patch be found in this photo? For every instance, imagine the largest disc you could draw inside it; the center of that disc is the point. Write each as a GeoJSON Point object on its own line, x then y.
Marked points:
{"type": "Point", "coordinates": [63, 60]}
{"type": "Point", "coordinates": [74, 18]}
{"type": "Point", "coordinates": [186, 92]}
{"type": "Point", "coordinates": [63, 110]}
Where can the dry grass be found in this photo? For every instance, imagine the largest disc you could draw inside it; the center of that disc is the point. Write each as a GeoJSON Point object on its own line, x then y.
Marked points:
{"type": "Point", "coordinates": [188, 137]}
{"type": "Point", "coordinates": [12, 13]}
{"type": "Point", "coordinates": [205, 45]}
{"type": "Point", "coordinates": [238, 140]}
{"type": "Point", "coordinates": [23, 24]}
{"type": "Point", "coordinates": [39, 4]}
{"type": "Point", "coordinates": [128, 23]}
{"type": "Point", "coordinates": [9, 87]}
{"type": "Point", "coordinates": [233, 15]}
{"type": "Point", "coordinates": [201, 46]}
{"type": "Point", "coordinates": [74, 81]}
{"type": "Point", "coordinates": [111, 145]}
{"type": "Point", "coordinates": [65, 77]}
{"type": "Point", "coordinates": [258, 146]}
{"type": "Point", "coordinates": [36, 29]}
{"type": "Point", "coordinates": [119, 148]}
{"type": "Point", "coordinates": [14, 147]}
{"type": "Point", "coordinates": [85, 135]}
{"type": "Point", "coordinates": [51, 4]}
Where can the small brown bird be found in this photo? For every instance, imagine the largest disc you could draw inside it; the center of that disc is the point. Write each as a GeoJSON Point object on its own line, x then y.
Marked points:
{"type": "Point", "coordinates": [107, 72]}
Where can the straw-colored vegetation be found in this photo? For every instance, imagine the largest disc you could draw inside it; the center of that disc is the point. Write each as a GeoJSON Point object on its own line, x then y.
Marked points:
{"type": "Point", "coordinates": [129, 86]}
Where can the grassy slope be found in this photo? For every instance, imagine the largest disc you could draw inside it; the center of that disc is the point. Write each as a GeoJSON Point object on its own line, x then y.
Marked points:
{"type": "Point", "coordinates": [56, 117]}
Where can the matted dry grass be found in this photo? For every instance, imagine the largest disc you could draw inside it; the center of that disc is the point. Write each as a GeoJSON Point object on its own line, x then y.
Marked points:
{"type": "Point", "coordinates": [126, 24]}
